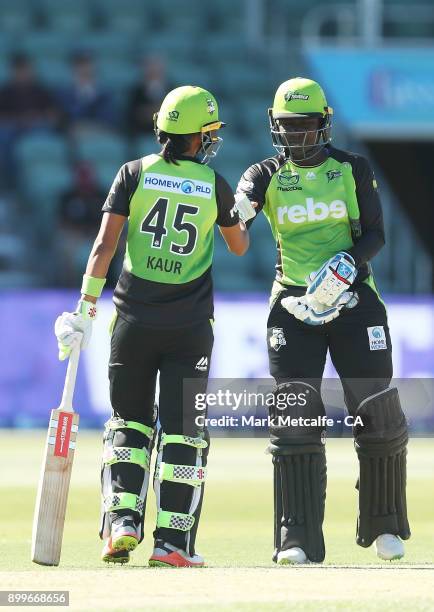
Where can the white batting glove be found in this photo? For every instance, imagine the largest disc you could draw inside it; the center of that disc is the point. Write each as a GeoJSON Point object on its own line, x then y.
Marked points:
{"type": "Point", "coordinates": [70, 327]}
{"type": "Point", "coordinates": [244, 207]}
{"type": "Point", "coordinates": [320, 314]}
{"type": "Point", "coordinates": [332, 280]}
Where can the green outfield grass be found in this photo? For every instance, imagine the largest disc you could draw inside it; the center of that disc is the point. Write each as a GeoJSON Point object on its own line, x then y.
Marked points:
{"type": "Point", "coordinates": [235, 536]}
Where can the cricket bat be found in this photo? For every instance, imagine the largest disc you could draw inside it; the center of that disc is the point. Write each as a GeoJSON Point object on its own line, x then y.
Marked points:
{"type": "Point", "coordinates": [52, 496]}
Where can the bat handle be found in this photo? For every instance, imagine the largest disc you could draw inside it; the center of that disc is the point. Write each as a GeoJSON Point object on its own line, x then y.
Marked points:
{"type": "Point", "coordinates": [71, 375]}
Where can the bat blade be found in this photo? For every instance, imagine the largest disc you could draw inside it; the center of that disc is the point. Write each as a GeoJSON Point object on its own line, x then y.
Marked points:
{"type": "Point", "coordinates": [52, 496]}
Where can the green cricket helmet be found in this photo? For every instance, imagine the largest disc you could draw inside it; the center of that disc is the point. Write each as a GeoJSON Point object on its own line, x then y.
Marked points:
{"type": "Point", "coordinates": [295, 100]}
{"type": "Point", "coordinates": [191, 110]}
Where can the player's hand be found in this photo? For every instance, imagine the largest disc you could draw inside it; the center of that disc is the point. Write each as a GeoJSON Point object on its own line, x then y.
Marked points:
{"type": "Point", "coordinates": [71, 327]}
{"type": "Point", "coordinates": [244, 207]}
{"type": "Point", "coordinates": [318, 314]}
{"type": "Point", "coordinates": [331, 280]}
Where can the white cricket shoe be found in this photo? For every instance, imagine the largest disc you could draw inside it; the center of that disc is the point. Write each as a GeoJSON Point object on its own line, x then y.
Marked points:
{"type": "Point", "coordinates": [389, 547]}
{"type": "Point", "coordinates": [293, 556]}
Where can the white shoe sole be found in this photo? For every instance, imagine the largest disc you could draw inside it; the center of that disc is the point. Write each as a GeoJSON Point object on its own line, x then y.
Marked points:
{"type": "Point", "coordinates": [293, 556]}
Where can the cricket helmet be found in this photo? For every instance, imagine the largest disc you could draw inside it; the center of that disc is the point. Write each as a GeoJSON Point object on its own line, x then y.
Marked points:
{"type": "Point", "coordinates": [300, 98]}
{"type": "Point", "coordinates": [191, 110]}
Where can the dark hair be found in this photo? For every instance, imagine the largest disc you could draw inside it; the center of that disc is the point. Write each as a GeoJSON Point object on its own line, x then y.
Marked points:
{"type": "Point", "coordinates": [173, 145]}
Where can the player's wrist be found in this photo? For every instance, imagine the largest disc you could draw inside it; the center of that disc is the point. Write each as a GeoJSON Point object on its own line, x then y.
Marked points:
{"type": "Point", "coordinates": [88, 310]}
{"type": "Point", "coordinates": [92, 286]}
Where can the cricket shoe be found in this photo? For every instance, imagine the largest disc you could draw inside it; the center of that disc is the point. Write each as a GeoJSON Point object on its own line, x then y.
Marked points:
{"type": "Point", "coordinates": [389, 547]}
{"type": "Point", "coordinates": [123, 539]}
{"type": "Point", "coordinates": [166, 555]}
{"type": "Point", "coordinates": [292, 556]}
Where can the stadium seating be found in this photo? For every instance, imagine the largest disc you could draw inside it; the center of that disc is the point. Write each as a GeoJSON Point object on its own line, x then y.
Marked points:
{"type": "Point", "coordinates": [203, 44]}
{"type": "Point", "coordinates": [67, 16]}
{"type": "Point", "coordinates": [41, 145]}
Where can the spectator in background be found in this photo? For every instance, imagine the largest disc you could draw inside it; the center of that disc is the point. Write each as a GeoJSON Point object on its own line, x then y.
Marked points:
{"type": "Point", "coordinates": [86, 101]}
{"type": "Point", "coordinates": [145, 97]}
{"type": "Point", "coordinates": [79, 219]}
{"type": "Point", "coordinates": [25, 104]}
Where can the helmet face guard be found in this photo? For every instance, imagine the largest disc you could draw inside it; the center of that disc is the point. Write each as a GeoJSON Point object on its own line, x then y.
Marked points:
{"type": "Point", "coordinates": [283, 140]}
{"type": "Point", "coordinates": [211, 143]}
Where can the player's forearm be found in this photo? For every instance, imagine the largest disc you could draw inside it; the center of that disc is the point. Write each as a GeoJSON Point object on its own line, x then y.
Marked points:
{"type": "Point", "coordinates": [236, 238]}
{"type": "Point", "coordinates": [367, 246]}
{"type": "Point", "coordinates": [244, 240]}
{"type": "Point", "coordinates": [99, 263]}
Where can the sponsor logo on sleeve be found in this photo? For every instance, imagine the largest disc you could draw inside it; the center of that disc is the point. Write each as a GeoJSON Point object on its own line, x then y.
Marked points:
{"type": "Point", "coordinates": [175, 184]}
{"type": "Point", "coordinates": [377, 338]}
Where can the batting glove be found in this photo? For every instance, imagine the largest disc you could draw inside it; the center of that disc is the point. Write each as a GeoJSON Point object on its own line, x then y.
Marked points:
{"type": "Point", "coordinates": [73, 327]}
{"type": "Point", "coordinates": [332, 280]}
{"type": "Point", "coordinates": [244, 207]}
{"type": "Point", "coordinates": [320, 314]}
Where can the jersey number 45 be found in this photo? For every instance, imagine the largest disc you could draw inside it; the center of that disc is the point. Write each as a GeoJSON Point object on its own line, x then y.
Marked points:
{"type": "Point", "coordinates": [155, 223]}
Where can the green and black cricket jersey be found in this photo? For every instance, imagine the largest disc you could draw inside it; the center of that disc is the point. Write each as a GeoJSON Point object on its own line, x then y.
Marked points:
{"type": "Point", "coordinates": [316, 211]}
{"type": "Point", "coordinates": [166, 276]}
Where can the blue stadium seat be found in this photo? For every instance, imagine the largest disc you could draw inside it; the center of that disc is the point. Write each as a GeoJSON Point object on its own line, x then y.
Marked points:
{"type": "Point", "coordinates": [225, 47]}
{"type": "Point", "coordinates": [47, 45]}
{"type": "Point", "coordinates": [106, 171]}
{"type": "Point", "coordinates": [43, 184]}
{"type": "Point", "coordinates": [99, 147]}
{"type": "Point", "coordinates": [54, 72]}
{"type": "Point", "coordinates": [186, 18]}
{"type": "Point", "coordinates": [16, 16]}
{"type": "Point", "coordinates": [188, 73]}
{"type": "Point", "coordinates": [67, 16]}
{"type": "Point", "coordinates": [47, 180]}
{"type": "Point", "coordinates": [131, 17]}
{"type": "Point", "coordinates": [107, 44]}
{"type": "Point", "coordinates": [117, 74]}
{"type": "Point", "coordinates": [232, 273]}
{"type": "Point", "coordinates": [144, 145]}
{"type": "Point", "coordinates": [41, 147]}
{"type": "Point", "coordinates": [238, 77]}
{"type": "Point", "coordinates": [171, 46]}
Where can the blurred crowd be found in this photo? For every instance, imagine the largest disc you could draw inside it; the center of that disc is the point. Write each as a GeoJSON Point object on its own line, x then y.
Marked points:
{"type": "Point", "coordinates": [29, 107]}
{"type": "Point", "coordinates": [60, 148]}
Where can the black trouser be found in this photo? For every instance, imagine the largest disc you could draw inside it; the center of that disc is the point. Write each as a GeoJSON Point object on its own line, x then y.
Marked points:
{"type": "Point", "coordinates": [297, 352]}
{"type": "Point", "coordinates": [362, 371]}
{"type": "Point", "coordinates": [138, 354]}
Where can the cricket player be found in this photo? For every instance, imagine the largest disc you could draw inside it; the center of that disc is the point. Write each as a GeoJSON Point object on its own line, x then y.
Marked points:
{"type": "Point", "coordinates": [162, 324]}
{"type": "Point", "coordinates": [325, 214]}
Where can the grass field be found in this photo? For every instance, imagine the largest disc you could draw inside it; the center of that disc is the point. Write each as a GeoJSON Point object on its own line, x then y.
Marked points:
{"type": "Point", "coordinates": [235, 537]}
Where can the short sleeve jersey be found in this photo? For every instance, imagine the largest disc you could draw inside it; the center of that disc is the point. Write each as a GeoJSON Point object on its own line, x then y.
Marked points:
{"type": "Point", "coordinates": [314, 212]}
{"type": "Point", "coordinates": [171, 209]}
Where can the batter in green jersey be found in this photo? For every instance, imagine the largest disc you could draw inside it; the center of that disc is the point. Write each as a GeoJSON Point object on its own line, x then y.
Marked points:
{"type": "Point", "coordinates": [323, 207]}
{"type": "Point", "coordinates": [162, 326]}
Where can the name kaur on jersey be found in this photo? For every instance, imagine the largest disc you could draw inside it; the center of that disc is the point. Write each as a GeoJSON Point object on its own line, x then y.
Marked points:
{"type": "Point", "coordinates": [172, 184]}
